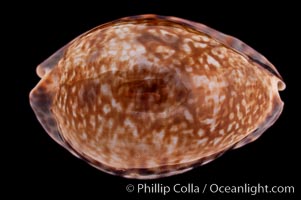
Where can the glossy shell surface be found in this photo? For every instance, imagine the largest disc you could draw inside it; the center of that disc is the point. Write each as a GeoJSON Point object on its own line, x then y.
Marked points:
{"type": "Point", "coordinates": [151, 96]}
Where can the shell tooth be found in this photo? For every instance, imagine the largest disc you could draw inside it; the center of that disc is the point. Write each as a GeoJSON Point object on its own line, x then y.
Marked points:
{"type": "Point", "coordinates": [151, 96]}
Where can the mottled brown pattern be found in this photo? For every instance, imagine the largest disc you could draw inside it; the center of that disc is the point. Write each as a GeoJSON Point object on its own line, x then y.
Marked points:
{"type": "Point", "coordinates": [152, 96]}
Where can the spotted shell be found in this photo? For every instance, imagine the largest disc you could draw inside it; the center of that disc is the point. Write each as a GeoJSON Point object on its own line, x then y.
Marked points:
{"type": "Point", "coordinates": [151, 96]}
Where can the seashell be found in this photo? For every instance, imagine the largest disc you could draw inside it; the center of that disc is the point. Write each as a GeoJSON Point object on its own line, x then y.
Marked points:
{"type": "Point", "coordinates": [151, 96]}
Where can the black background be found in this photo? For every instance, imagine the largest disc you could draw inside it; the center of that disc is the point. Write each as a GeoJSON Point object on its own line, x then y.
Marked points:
{"type": "Point", "coordinates": [37, 165]}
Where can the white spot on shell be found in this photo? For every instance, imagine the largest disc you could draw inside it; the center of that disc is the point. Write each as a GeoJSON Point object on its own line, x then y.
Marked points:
{"type": "Point", "coordinates": [99, 132]}
{"type": "Point", "coordinates": [170, 149]}
{"type": "Point", "coordinates": [215, 110]}
{"type": "Point", "coordinates": [209, 121]}
{"type": "Point", "coordinates": [202, 141]}
{"type": "Point", "coordinates": [84, 136]}
{"type": "Point", "coordinates": [186, 48]}
{"type": "Point", "coordinates": [205, 38]}
{"type": "Point", "coordinates": [160, 135]}
{"type": "Point", "coordinates": [99, 118]}
{"type": "Point", "coordinates": [217, 140]}
{"type": "Point", "coordinates": [129, 123]}
{"type": "Point", "coordinates": [229, 127]}
{"type": "Point", "coordinates": [116, 105]}
{"type": "Point", "coordinates": [201, 132]}
{"type": "Point", "coordinates": [196, 37]}
{"type": "Point", "coordinates": [105, 89]}
{"type": "Point", "coordinates": [106, 108]}
{"type": "Point", "coordinates": [73, 89]}
{"type": "Point", "coordinates": [188, 69]}
{"type": "Point", "coordinates": [198, 80]}
{"type": "Point", "coordinates": [110, 123]}
{"type": "Point", "coordinates": [212, 127]}
{"type": "Point", "coordinates": [188, 115]}
{"type": "Point", "coordinates": [221, 132]}
{"type": "Point", "coordinates": [200, 45]}
{"type": "Point", "coordinates": [140, 49]}
{"type": "Point", "coordinates": [135, 132]}
{"type": "Point", "coordinates": [233, 93]}
{"type": "Point", "coordinates": [174, 128]}
{"type": "Point", "coordinates": [231, 116]}
{"type": "Point", "coordinates": [236, 126]}
{"type": "Point", "coordinates": [112, 52]}
{"type": "Point", "coordinates": [113, 67]}
{"type": "Point", "coordinates": [201, 60]}
{"type": "Point", "coordinates": [165, 51]}
{"type": "Point", "coordinates": [174, 140]}
{"type": "Point", "coordinates": [92, 121]}
{"type": "Point", "coordinates": [74, 108]}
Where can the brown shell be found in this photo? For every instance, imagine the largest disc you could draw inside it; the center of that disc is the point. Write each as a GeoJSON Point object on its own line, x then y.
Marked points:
{"type": "Point", "coordinates": [151, 96]}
